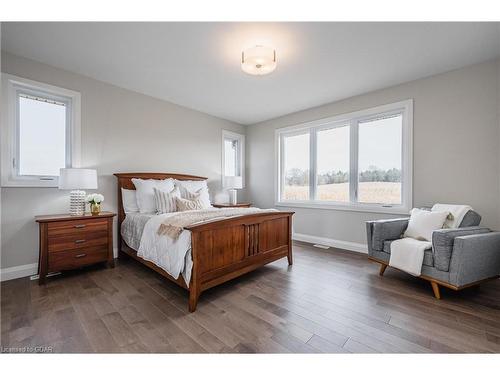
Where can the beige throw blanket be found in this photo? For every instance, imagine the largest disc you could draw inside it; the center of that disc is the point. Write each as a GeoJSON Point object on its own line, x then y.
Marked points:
{"type": "Point", "coordinates": [407, 254]}
{"type": "Point", "coordinates": [173, 225]}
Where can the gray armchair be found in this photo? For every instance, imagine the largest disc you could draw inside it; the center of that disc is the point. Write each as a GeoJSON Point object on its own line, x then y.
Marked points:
{"type": "Point", "coordinates": [459, 257]}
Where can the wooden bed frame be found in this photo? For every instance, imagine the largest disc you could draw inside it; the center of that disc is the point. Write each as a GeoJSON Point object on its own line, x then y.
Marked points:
{"type": "Point", "coordinates": [222, 249]}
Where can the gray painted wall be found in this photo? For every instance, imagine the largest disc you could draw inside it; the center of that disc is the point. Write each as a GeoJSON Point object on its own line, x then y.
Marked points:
{"type": "Point", "coordinates": [121, 131]}
{"type": "Point", "coordinates": [456, 149]}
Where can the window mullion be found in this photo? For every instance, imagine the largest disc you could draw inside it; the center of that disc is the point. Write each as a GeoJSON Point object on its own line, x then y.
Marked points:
{"type": "Point", "coordinates": [282, 166]}
{"type": "Point", "coordinates": [313, 162]}
{"type": "Point", "coordinates": [353, 157]}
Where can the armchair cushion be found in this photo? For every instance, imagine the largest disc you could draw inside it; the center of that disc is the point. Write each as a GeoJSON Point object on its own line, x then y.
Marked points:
{"type": "Point", "coordinates": [442, 244]}
{"type": "Point", "coordinates": [384, 230]}
{"type": "Point", "coordinates": [428, 256]}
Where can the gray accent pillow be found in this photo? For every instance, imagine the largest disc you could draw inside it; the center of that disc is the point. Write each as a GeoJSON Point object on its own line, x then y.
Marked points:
{"type": "Point", "coordinates": [471, 219]}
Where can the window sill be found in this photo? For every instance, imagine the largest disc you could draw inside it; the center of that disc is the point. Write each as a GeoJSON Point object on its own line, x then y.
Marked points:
{"type": "Point", "coordinates": [35, 183]}
{"type": "Point", "coordinates": [398, 210]}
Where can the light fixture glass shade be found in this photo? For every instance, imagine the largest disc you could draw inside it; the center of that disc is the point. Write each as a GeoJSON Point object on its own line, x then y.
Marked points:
{"type": "Point", "coordinates": [233, 182]}
{"type": "Point", "coordinates": [77, 179]}
{"type": "Point", "coordinates": [258, 60]}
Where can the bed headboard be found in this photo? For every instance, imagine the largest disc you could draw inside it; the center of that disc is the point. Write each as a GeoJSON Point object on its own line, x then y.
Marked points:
{"type": "Point", "coordinates": [125, 181]}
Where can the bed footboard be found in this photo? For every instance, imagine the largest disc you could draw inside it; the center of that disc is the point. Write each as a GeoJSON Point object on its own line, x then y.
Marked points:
{"type": "Point", "coordinates": [225, 249]}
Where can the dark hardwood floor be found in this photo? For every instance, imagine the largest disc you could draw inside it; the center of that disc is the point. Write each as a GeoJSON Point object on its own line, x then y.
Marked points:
{"type": "Point", "coordinates": [329, 301]}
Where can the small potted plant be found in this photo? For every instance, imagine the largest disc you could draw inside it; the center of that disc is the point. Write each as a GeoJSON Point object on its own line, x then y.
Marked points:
{"type": "Point", "coordinates": [95, 201]}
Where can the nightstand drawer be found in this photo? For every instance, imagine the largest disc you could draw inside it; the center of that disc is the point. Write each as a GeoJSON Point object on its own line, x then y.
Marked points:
{"type": "Point", "coordinates": [75, 258]}
{"type": "Point", "coordinates": [76, 226]}
{"type": "Point", "coordinates": [77, 241]}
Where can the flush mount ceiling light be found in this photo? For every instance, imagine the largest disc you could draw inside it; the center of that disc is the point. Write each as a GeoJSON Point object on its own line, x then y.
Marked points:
{"type": "Point", "coordinates": [258, 60]}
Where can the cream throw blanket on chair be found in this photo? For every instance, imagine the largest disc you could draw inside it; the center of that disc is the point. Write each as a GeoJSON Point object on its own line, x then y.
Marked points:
{"type": "Point", "coordinates": [407, 254]}
{"type": "Point", "coordinates": [173, 225]}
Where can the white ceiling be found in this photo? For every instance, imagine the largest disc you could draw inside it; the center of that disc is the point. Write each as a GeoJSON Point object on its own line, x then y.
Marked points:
{"type": "Point", "coordinates": [197, 65]}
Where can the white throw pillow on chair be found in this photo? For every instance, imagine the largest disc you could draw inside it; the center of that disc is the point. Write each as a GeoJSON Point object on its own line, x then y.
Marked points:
{"type": "Point", "coordinates": [422, 223]}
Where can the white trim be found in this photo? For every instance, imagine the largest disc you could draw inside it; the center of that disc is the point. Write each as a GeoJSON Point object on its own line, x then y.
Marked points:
{"type": "Point", "coordinates": [18, 271]}
{"type": "Point", "coordinates": [240, 138]}
{"type": "Point", "coordinates": [29, 269]}
{"type": "Point", "coordinates": [325, 205]}
{"type": "Point", "coordinates": [10, 85]}
{"type": "Point", "coordinates": [339, 244]}
{"type": "Point", "coordinates": [404, 107]}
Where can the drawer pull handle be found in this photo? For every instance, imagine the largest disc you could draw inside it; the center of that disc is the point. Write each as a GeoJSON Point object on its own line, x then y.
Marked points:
{"type": "Point", "coordinates": [79, 241]}
{"type": "Point", "coordinates": [80, 255]}
{"type": "Point", "coordinates": [80, 226]}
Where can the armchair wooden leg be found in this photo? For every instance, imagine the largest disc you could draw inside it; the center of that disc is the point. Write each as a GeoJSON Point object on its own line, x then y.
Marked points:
{"type": "Point", "coordinates": [382, 269]}
{"type": "Point", "coordinates": [435, 289]}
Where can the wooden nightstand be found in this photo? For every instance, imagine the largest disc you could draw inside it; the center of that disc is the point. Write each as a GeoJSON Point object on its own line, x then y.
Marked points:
{"type": "Point", "coordinates": [68, 242]}
{"type": "Point", "coordinates": [226, 205]}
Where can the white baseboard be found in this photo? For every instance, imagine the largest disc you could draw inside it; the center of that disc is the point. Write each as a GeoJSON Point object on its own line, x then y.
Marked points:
{"type": "Point", "coordinates": [346, 245]}
{"type": "Point", "coordinates": [32, 269]}
{"type": "Point", "coordinates": [18, 271]}
{"type": "Point", "coordinates": [28, 270]}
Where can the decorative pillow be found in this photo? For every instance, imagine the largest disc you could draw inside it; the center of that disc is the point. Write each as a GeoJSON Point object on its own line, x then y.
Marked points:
{"type": "Point", "coordinates": [146, 195]}
{"type": "Point", "coordinates": [190, 188]}
{"type": "Point", "coordinates": [129, 201]}
{"type": "Point", "coordinates": [188, 204]}
{"type": "Point", "coordinates": [165, 202]}
{"type": "Point", "coordinates": [422, 223]}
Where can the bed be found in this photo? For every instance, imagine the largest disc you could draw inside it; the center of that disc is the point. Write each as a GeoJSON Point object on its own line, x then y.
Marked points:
{"type": "Point", "coordinates": [220, 250]}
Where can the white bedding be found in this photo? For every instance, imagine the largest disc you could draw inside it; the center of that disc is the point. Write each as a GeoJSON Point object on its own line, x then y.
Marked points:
{"type": "Point", "coordinates": [140, 232]}
{"type": "Point", "coordinates": [173, 256]}
{"type": "Point", "coordinates": [132, 228]}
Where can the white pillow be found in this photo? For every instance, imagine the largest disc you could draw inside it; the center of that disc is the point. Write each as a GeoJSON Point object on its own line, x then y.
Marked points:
{"type": "Point", "coordinates": [146, 195]}
{"type": "Point", "coordinates": [422, 223]}
{"type": "Point", "coordinates": [190, 188]}
{"type": "Point", "coordinates": [129, 201]}
{"type": "Point", "coordinates": [165, 202]}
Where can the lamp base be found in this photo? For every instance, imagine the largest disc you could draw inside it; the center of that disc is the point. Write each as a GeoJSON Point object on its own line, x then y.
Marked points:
{"type": "Point", "coordinates": [233, 196]}
{"type": "Point", "coordinates": [77, 203]}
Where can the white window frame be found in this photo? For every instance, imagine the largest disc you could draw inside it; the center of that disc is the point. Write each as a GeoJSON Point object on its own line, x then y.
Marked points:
{"type": "Point", "coordinates": [226, 134]}
{"type": "Point", "coordinates": [12, 86]}
{"type": "Point", "coordinates": [405, 108]}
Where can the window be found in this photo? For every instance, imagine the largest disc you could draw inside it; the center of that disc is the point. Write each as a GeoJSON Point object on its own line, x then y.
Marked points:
{"type": "Point", "coordinates": [233, 154]}
{"type": "Point", "coordinates": [333, 164]}
{"type": "Point", "coordinates": [357, 161]}
{"type": "Point", "coordinates": [41, 134]}
{"type": "Point", "coordinates": [296, 167]}
{"type": "Point", "coordinates": [379, 160]}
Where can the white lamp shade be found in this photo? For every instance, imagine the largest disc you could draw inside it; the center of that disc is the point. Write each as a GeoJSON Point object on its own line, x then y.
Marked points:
{"type": "Point", "coordinates": [77, 179]}
{"type": "Point", "coordinates": [233, 182]}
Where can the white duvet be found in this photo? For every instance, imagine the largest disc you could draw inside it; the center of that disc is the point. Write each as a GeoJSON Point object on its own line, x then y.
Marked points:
{"type": "Point", "coordinates": [173, 256]}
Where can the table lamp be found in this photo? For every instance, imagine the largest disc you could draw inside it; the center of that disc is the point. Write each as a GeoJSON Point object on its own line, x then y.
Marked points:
{"type": "Point", "coordinates": [76, 180]}
{"type": "Point", "coordinates": [233, 183]}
